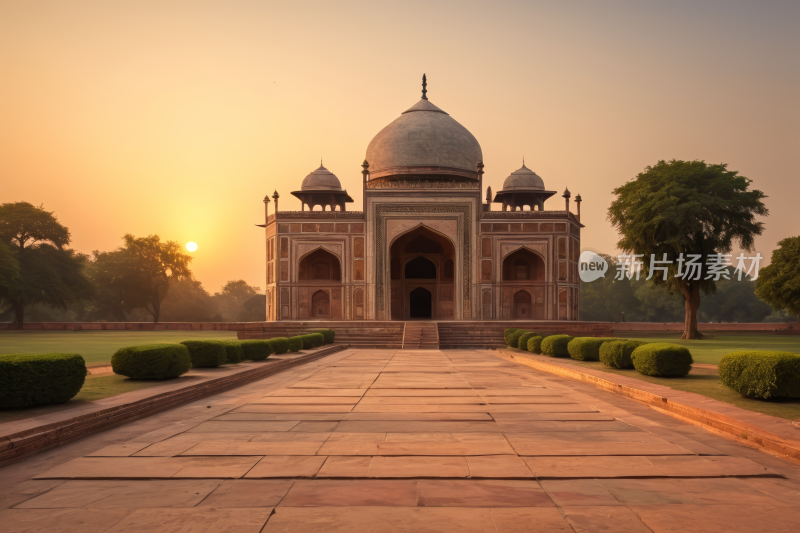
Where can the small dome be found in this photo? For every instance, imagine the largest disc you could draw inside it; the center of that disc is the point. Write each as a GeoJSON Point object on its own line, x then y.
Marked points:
{"type": "Point", "coordinates": [522, 180]}
{"type": "Point", "coordinates": [423, 136]}
{"type": "Point", "coordinates": [321, 179]}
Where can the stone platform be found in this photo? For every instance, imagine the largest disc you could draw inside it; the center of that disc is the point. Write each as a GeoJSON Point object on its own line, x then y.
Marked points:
{"type": "Point", "coordinates": [391, 440]}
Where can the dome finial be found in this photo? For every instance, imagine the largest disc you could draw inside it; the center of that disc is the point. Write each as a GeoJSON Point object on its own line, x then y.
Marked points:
{"type": "Point", "coordinates": [424, 85]}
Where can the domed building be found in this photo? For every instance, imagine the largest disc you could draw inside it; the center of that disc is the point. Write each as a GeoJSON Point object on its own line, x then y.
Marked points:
{"type": "Point", "coordinates": [426, 245]}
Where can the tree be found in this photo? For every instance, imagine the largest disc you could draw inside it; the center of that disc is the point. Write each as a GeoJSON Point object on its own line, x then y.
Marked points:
{"type": "Point", "coordinates": [48, 272]}
{"type": "Point", "coordinates": [139, 273]}
{"type": "Point", "coordinates": [679, 208]}
{"type": "Point", "coordinates": [734, 301]}
{"type": "Point", "coordinates": [604, 299]}
{"type": "Point", "coordinates": [778, 284]}
{"type": "Point", "coordinates": [232, 297]}
{"type": "Point", "coordinates": [9, 268]}
{"type": "Point", "coordinates": [254, 309]}
{"type": "Point", "coordinates": [188, 301]}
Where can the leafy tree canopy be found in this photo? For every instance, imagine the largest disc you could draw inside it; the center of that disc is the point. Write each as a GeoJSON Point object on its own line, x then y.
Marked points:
{"type": "Point", "coordinates": [139, 273]}
{"type": "Point", "coordinates": [48, 273]}
{"type": "Point", "coordinates": [9, 267]}
{"type": "Point", "coordinates": [233, 297]}
{"type": "Point", "coordinates": [22, 224]}
{"type": "Point", "coordinates": [779, 283]}
{"type": "Point", "coordinates": [686, 207]}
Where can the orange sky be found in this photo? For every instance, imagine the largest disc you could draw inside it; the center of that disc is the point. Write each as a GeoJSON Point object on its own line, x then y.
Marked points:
{"type": "Point", "coordinates": [176, 118]}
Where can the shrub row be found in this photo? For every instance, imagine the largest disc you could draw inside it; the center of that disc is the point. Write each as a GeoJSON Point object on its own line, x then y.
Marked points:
{"type": "Point", "coordinates": [652, 359]}
{"type": "Point", "coordinates": [152, 361]}
{"type": "Point", "coordinates": [761, 374]}
{"type": "Point", "coordinates": [587, 348]}
{"type": "Point", "coordinates": [617, 354]}
{"type": "Point", "coordinates": [39, 379]}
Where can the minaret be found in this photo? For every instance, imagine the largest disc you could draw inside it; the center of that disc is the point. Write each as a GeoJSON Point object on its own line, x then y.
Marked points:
{"type": "Point", "coordinates": [266, 209]}
{"type": "Point", "coordinates": [578, 201]}
{"type": "Point", "coordinates": [275, 197]}
{"type": "Point", "coordinates": [567, 196]}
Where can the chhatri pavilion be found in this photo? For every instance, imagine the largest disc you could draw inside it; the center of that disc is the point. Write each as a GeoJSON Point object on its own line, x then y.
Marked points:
{"type": "Point", "coordinates": [426, 245]}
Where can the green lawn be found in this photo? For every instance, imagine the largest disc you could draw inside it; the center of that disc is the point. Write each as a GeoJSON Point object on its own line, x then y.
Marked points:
{"type": "Point", "coordinates": [705, 381]}
{"type": "Point", "coordinates": [711, 349]}
{"type": "Point", "coordinates": [95, 346]}
{"type": "Point", "coordinates": [94, 388]}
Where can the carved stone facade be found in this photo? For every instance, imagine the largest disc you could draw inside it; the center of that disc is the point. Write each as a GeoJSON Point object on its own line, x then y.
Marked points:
{"type": "Point", "coordinates": [426, 245]}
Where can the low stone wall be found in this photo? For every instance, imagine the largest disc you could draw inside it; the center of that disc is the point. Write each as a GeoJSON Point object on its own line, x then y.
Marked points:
{"type": "Point", "coordinates": [119, 326]}
{"type": "Point", "coordinates": [766, 327]}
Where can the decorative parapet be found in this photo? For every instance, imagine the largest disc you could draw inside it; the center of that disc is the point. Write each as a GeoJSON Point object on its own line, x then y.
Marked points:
{"type": "Point", "coordinates": [321, 214]}
{"type": "Point", "coordinates": [528, 215]}
{"type": "Point", "coordinates": [434, 182]}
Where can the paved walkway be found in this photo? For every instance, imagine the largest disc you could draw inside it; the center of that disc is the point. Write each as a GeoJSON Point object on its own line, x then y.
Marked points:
{"type": "Point", "coordinates": [385, 440]}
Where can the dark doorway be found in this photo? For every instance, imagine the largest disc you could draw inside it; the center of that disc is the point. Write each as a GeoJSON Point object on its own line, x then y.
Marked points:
{"type": "Point", "coordinates": [420, 268]}
{"type": "Point", "coordinates": [420, 303]}
{"type": "Point", "coordinates": [522, 305]}
{"type": "Point", "coordinates": [320, 305]}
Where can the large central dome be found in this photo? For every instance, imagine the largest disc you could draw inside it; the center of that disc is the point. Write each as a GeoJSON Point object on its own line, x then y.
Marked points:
{"type": "Point", "coordinates": [424, 140]}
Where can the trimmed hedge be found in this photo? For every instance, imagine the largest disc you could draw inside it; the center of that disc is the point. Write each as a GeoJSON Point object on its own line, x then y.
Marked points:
{"type": "Point", "coordinates": [535, 344]}
{"type": "Point", "coordinates": [328, 334]}
{"type": "Point", "coordinates": [295, 344]}
{"type": "Point", "coordinates": [206, 354]}
{"type": "Point", "coordinates": [588, 348]}
{"type": "Point", "coordinates": [256, 349]}
{"type": "Point", "coordinates": [512, 341]}
{"type": "Point", "coordinates": [662, 359]}
{"type": "Point", "coordinates": [522, 343]}
{"type": "Point", "coordinates": [312, 340]}
{"type": "Point", "coordinates": [617, 354]}
{"type": "Point", "coordinates": [234, 354]}
{"type": "Point", "coordinates": [279, 344]}
{"type": "Point", "coordinates": [760, 374]}
{"type": "Point", "coordinates": [509, 331]}
{"type": "Point", "coordinates": [556, 345]}
{"type": "Point", "coordinates": [152, 361]}
{"type": "Point", "coordinates": [39, 379]}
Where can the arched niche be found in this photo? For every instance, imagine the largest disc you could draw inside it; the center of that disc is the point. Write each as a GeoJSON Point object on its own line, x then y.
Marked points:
{"type": "Point", "coordinates": [320, 305]}
{"type": "Point", "coordinates": [419, 268]}
{"type": "Point", "coordinates": [319, 265]}
{"type": "Point", "coordinates": [523, 305]}
{"type": "Point", "coordinates": [523, 265]}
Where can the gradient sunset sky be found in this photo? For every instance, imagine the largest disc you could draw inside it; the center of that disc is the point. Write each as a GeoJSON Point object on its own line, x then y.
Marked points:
{"type": "Point", "coordinates": [176, 118]}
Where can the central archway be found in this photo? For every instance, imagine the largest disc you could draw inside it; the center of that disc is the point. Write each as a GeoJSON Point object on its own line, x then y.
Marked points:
{"type": "Point", "coordinates": [421, 303]}
{"type": "Point", "coordinates": [422, 277]}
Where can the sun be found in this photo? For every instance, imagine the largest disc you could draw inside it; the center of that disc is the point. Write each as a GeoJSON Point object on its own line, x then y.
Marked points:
{"type": "Point", "coordinates": [191, 246]}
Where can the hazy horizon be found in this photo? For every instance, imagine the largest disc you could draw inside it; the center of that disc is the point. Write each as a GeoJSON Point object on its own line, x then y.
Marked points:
{"type": "Point", "coordinates": [177, 118]}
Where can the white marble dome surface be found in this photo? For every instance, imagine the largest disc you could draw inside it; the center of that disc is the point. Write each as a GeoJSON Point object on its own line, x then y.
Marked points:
{"type": "Point", "coordinates": [321, 179]}
{"type": "Point", "coordinates": [424, 136]}
{"type": "Point", "coordinates": [523, 179]}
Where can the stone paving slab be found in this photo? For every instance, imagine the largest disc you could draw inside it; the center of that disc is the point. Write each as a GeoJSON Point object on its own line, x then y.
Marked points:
{"type": "Point", "coordinates": [405, 459]}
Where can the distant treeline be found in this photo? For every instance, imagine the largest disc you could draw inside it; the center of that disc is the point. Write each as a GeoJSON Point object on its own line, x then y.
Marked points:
{"type": "Point", "coordinates": [606, 299]}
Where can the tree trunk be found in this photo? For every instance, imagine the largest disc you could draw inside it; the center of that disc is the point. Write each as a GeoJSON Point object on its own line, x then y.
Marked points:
{"type": "Point", "coordinates": [19, 315]}
{"type": "Point", "coordinates": [691, 298]}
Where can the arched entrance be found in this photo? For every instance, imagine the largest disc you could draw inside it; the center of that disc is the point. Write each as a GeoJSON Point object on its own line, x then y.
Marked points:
{"type": "Point", "coordinates": [320, 305]}
{"type": "Point", "coordinates": [422, 276]}
{"type": "Point", "coordinates": [420, 268]}
{"type": "Point", "coordinates": [522, 305]}
{"type": "Point", "coordinates": [523, 278]}
{"type": "Point", "coordinates": [420, 303]}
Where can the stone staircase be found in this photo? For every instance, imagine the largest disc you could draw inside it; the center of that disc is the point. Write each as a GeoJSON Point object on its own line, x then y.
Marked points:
{"type": "Point", "coordinates": [489, 334]}
{"type": "Point", "coordinates": [358, 334]}
{"type": "Point", "coordinates": [421, 336]}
